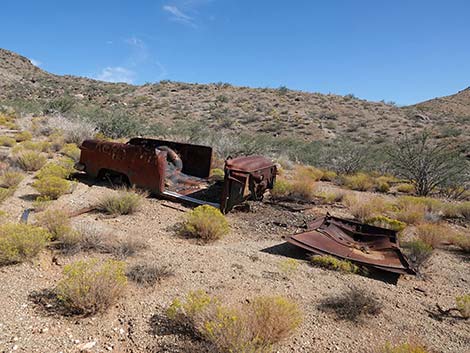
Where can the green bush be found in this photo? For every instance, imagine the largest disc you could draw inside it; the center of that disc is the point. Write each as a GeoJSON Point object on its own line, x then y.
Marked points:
{"type": "Point", "coordinates": [23, 136]}
{"type": "Point", "coordinates": [386, 222]}
{"type": "Point", "coordinates": [5, 193]}
{"type": "Point", "coordinates": [255, 326]}
{"type": "Point", "coordinates": [417, 252]}
{"type": "Point", "coordinates": [31, 160]}
{"type": "Point", "coordinates": [205, 222]}
{"type": "Point", "coordinates": [61, 169]}
{"type": "Point", "coordinates": [121, 202]}
{"type": "Point", "coordinates": [332, 263]}
{"type": "Point", "coordinates": [406, 188]}
{"type": "Point", "coordinates": [463, 305]}
{"type": "Point", "coordinates": [72, 151]}
{"type": "Point", "coordinates": [56, 221]}
{"type": "Point", "coordinates": [359, 182]}
{"type": "Point", "coordinates": [20, 242]}
{"type": "Point", "coordinates": [52, 186]}
{"type": "Point", "coordinates": [7, 141]}
{"type": "Point", "coordinates": [89, 287]}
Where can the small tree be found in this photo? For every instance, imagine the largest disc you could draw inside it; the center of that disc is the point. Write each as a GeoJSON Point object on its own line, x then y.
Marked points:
{"type": "Point", "coordinates": [425, 163]}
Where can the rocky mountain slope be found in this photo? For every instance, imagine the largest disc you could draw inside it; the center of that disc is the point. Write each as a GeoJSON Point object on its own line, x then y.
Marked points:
{"type": "Point", "coordinates": [223, 107]}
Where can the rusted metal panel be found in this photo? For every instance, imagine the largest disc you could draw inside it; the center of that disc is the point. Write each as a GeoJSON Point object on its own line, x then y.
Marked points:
{"type": "Point", "coordinates": [367, 245]}
{"type": "Point", "coordinates": [179, 170]}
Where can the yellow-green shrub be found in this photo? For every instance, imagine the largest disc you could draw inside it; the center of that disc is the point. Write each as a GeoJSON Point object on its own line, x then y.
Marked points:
{"type": "Point", "coordinates": [328, 175]}
{"type": "Point", "coordinates": [89, 287]}
{"type": "Point", "coordinates": [39, 146]}
{"type": "Point", "coordinates": [382, 184]}
{"type": "Point", "coordinates": [71, 150]}
{"type": "Point", "coordinates": [463, 305]}
{"type": "Point", "coordinates": [462, 241]}
{"type": "Point", "coordinates": [61, 169]}
{"type": "Point", "coordinates": [281, 188]}
{"type": "Point", "coordinates": [307, 172]}
{"type": "Point", "coordinates": [410, 212]}
{"type": "Point", "coordinates": [359, 182]}
{"type": "Point", "coordinates": [217, 174]}
{"type": "Point", "coordinates": [7, 141]}
{"type": "Point", "coordinates": [205, 222]}
{"type": "Point", "coordinates": [5, 193]}
{"type": "Point", "coordinates": [332, 263]}
{"type": "Point", "coordinates": [252, 327]}
{"type": "Point", "coordinates": [56, 221]}
{"type": "Point", "coordinates": [363, 208]}
{"type": "Point", "coordinates": [404, 348]}
{"type": "Point", "coordinates": [30, 160]}
{"type": "Point", "coordinates": [120, 202]}
{"type": "Point", "coordinates": [288, 266]}
{"type": "Point", "coordinates": [331, 196]}
{"type": "Point", "coordinates": [23, 136]}
{"type": "Point", "coordinates": [406, 188]}
{"type": "Point", "coordinates": [386, 222]}
{"type": "Point", "coordinates": [11, 178]}
{"type": "Point", "coordinates": [52, 186]}
{"type": "Point", "coordinates": [20, 242]}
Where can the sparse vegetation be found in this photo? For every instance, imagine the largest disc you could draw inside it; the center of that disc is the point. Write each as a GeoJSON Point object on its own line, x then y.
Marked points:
{"type": "Point", "coordinates": [206, 223]}
{"type": "Point", "coordinates": [252, 327]}
{"type": "Point", "coordinates": [463, 305]}
{"type": "Point", "coordinates": [352, 305]}
{"type": "Point", "coordinates": [121, 202]}
{"type": "Point", "coordinates": [21, 242]}
{"type": "Point", "coordinates": [7, 141]}
{"type": "Point", "coordinates": [386, 222]}
{"type": "Point", "coordinates": [89, 287]}
{"type": "Point", "coordinates": [52, 187]}
{"type": "Point", "coordinates": [407, 347]}
{"type": "Point", "coordinates": [30, 160]}
{"type": "Point", "coordinates": [11, 178]}
{"type": "Point", "coordinates": [332, 263]}
{"type": "Point", "coordinates": [23, 136]}
{"type": "Point", "coordinates": [417, 251]}
{"type": "Point", "coordinates": [433, 234]}
{"type": "Point", "coordinates": [148, 274]}
{"type": "Point", "coordinates": [61, 169]}
{"type": "Point", "coordinates": [72, 151]}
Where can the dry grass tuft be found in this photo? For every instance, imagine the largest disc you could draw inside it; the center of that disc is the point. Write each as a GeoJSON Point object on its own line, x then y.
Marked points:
{"type": "Point", "coordinates": [11, 178]}
{"type": "Point", "coordinates": [121, 202]}
{"type": "Point", "coordinates": [30, 160]}
{"type": "Point", "coordinates": [363, 208]}
{"type": "Point", "coordinates": [417, 251]}
{"type": "Point", "coordinates": [332, 263]}
{"type": "Point", "coordinates": [206, 223]}
{"type": "Point", "coordinates": [147, 274]}
{"type": "Point", "coordinates": [7, 141]}
{"type": "Point", "coordinates": [433, 234]}
{"type": "Point", "coordinates": [89, 287]}
{"type": "Point", "coordinates": [463, 305]}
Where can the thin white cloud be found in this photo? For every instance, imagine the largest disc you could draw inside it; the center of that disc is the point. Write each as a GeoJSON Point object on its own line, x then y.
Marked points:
{"type": "Point", "coordinates": [116, 74]}
{"type": "Point", "coordinates": [35, 62]}
{"type": "Point", "coordinates": [179, 16]}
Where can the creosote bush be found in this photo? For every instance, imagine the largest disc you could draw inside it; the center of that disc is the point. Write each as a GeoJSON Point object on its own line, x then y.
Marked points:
{"type": "Point", "coordinates": [21, 242]}
{"type": "Point", "coordinates": [463, 305]}
{"type": "Point", "coordinates": [52, 186]}
{"type": "Point", "coordinates": [121, 202]}
{"type": "Point", "coordinates": [352, 305]}
{"type": "Point", "coordinates": [30, 160]}
{"type": "Point", "coordinates": [206, 223]}
{"type": "Point", "coordinates": [89, 287]}
{"type": "Point", "coordinates": [332, 263]}
{"type": "Point", "coordinates": [255, 326]}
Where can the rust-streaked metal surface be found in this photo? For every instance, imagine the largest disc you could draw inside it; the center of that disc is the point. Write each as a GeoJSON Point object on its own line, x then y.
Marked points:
{"type": "Point", "coordinates": [179, 170]}
{"type": "Point", "coordinates": [354, 241]}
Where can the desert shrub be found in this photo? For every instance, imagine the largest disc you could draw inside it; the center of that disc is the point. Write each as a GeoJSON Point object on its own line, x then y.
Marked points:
{"type": "Point", "coordinates": [89, 287]}
{"type": "Point", "coordinates": [52, 186]}
{"type": "Point", "coordinates": [328, 175]}
{"type": "Point", "coordinates": [411, 213]}
{"type": "Point", "coordinates": [407, 347]}
{"type": "Point", "coordinates": [147, 274]}
{"type": "Point", "coordinates": [60, 105]}
{"type": "Point", "coordinates": [252, 327]}
{"type": "Point", "coordinates": [72, 151]}
{"type": "Point", "coordinates": [433, 234]}
{"type": "Point", "coordinates": [363, 208]}
{"type": "Point", "coordinates": [30, 160]}
{"type": "Point", "coordinates": [41, 203]}
{"type": "Point", "coordinates": [296, 190]}
{"type": "Point", "coordinates": [308, 172]}
{"type": "Point", "coordinates": [61, 169]}
{"type": "Point", "coordinates": [426, 164]}
{"type": "Point", "coordinates": [281, 189]}
{"type": "Point", "coordinates": [5, 193]}
{"type": "Point", "coordinates": [11, 178]}
{"type": "Point", "coordinates": [359, 181]}
{"type": "Point", "coordinates": [463, 305]}
{"type": "Point", "coordinates": [405, 188]}
{"type": "Point", "coordinates": [332, 263]}
{"type": "Point", "coordinates": [289, 266]}
{"type": "Point", "coordinates": [386, 222]}
{"type": "Point", "coordinates": [56, 221]}
{"type": "Point", "coordinates": [125, 248]}
{"type": "Point", "coordinates": [464, 210]}
{"type": "Point", "coordinates": [121, 202]}
{"type": "Point", "coordinates": [352, 305]}
{"type": "Point", "coordinates": [7, 141]}
{"type": "Point", "coordinates": [20, 242]}
{"type": "Point", "coordinates": [38, 146]}
{"type": "Point", "coordinates": [70, 131]}
{"type": "Point", "coordinates": [23, 136]}
{"type": "Point", "coordinates": [462, 241]}
{"type": "Point", "coordinates": [417, 251]}
{"type": "Point", "coordinates": [217, 174]}
{"type": "Point", "coordinates": [331, 196]}
{"type": "Point", "coordinates": [205, 222]}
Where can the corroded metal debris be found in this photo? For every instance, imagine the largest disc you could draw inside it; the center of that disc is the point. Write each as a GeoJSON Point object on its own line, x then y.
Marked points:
{"type": "Point", "coordinates": [361, 243]}
{"type": "Point", "coordinates": [178, 170]}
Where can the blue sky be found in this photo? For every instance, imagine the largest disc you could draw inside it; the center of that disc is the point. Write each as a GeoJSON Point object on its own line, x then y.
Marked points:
{"type": "Point", "coordinates": [402, 51]}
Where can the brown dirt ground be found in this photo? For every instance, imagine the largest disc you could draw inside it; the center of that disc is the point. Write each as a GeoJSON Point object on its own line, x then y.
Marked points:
{"type": "Point", "coordinates": [247, 263]}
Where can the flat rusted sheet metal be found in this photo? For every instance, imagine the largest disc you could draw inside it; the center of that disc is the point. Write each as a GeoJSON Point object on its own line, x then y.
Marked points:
{"type": "Point", "coordinates": [354, 241]}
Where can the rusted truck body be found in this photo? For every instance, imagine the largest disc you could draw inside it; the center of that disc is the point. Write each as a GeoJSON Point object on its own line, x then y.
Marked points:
{"type": "Point", "coordinates": [178, 170]}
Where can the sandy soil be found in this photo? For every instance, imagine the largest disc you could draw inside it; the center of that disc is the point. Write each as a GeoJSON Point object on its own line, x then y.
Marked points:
{"type": "Point", "coordinates": [247, 263]}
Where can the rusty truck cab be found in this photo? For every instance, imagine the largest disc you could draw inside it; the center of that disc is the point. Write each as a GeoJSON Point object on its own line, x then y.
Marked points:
{"type": "Point", "coordinates": [150, 164]}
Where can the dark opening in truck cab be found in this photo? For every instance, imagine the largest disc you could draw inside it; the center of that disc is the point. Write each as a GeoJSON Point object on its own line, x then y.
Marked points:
{"type": "Point", "coordinates": [178, 170]}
